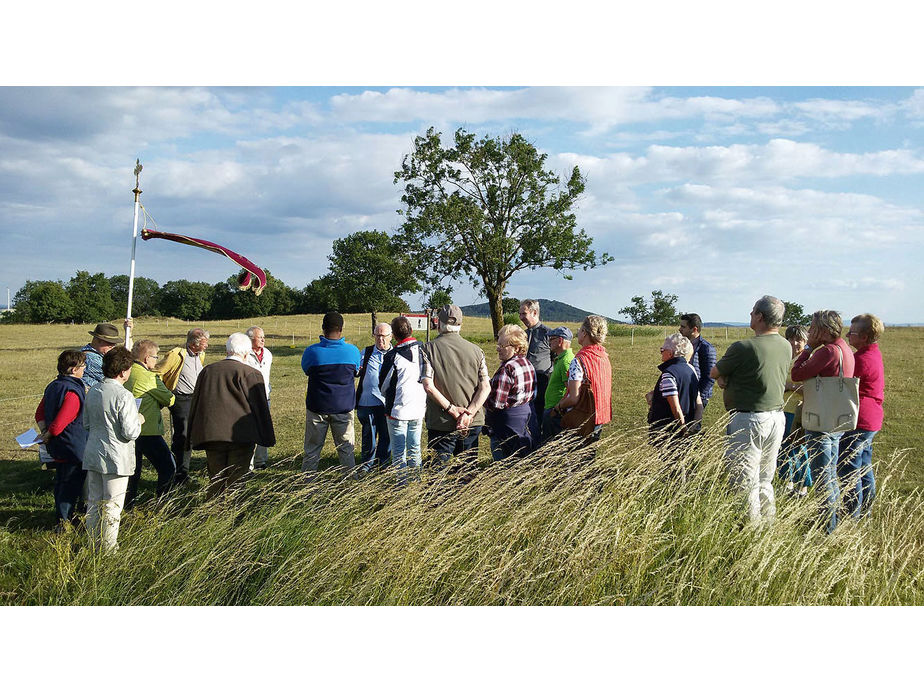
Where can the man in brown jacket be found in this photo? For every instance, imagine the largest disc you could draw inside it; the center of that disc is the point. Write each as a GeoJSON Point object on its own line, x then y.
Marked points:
{"type": "Point", "coordinates": [229, 415]}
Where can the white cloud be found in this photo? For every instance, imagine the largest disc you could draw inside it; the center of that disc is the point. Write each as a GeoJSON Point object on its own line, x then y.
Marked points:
{"type": "Point", "coordinates": [778, 159]}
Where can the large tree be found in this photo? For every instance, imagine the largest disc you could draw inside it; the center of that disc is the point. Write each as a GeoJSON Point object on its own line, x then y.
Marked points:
{"type": "Point", "coordinates": [186, 300]}
{"type": "Point", "coordinates": [91, 297]}
{"type": "Point", "coordinates": [42, 301]}
{"type": "Point", "coordinates": [369, 271]}
{"type": "Point", "coordinates": [228, 301]}
{"type": "Point", "coordinates": [486, 209]}
{"type": "Point", "coordinates": [145, 295]}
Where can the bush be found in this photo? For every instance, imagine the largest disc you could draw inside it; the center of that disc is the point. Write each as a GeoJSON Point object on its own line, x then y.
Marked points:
{"type": "Point", "coordinates": [512, 319]}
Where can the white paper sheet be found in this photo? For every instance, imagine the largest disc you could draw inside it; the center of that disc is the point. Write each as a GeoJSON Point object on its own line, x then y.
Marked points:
{"type": "Point", "coordinates": [29, 438]}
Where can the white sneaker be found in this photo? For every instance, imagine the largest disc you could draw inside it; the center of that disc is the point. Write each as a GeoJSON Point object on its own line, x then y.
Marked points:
{"type": "Point", "coordinates": [803, 492]}
{"type": "Point", "coordinates": [790, 488]}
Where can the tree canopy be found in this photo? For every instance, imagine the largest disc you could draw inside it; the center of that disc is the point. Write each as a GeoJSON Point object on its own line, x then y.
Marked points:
{"type": "Point", "coordinates": [660, 310]}
{"type": "Point", "coordinates": [795, 314]}
{"type": "Point", "coordinates": [369, 271]}
{"type": "Point", "coordinates": [485, 209]}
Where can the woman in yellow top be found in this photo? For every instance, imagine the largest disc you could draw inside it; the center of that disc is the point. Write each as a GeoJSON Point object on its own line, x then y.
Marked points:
{"type": "Point", "coordinates": [144, 383]}
{"type": "Point", "coordinates": [792, 463]}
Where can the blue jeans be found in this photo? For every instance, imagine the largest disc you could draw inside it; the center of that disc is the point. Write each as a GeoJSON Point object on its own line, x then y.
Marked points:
{"type": "Point", "coordinates": [855, 470]}
{"type": "Point", "coordinates": [793, 463]}
{"type": "Point", "coordinates": [823, 448]}
{"type": "Point", "coordinates": [375, 438]}
{"type": "Point", "coordinates": [405, 445]}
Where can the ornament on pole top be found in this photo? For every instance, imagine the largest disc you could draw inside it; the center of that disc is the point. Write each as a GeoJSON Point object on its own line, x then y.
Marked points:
{"type": "Point", "coordinates": [138, 168]}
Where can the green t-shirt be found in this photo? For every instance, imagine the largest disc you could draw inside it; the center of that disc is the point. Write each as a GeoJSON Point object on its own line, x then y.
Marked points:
{"type": "Point", "coordinates": [558, 379]}
{"type": "Point", "coordinates": [756, 371]}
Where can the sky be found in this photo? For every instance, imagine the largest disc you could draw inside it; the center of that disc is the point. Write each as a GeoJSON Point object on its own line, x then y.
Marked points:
{"type": "Point", "coordinates": [718, 195]}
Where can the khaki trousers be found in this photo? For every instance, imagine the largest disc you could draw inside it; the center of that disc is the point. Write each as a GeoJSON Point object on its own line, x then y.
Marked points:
{"type": "Point", "coordinates": [341, 429]}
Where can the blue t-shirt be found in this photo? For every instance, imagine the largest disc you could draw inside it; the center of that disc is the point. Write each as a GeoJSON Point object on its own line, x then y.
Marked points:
{"type": "Point", "coordinates": [331, 366]}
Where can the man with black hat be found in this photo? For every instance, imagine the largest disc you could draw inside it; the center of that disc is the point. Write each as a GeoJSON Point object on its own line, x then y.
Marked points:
{"type": "Point", "coordinates": [457, 386]}
{"type": "Point", "coordinates": [105, 336]}
{"type": "Point", "coordinates": [331, 366]}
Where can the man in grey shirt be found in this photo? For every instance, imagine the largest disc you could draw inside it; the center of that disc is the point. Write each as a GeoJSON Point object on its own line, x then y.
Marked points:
{"type": "Point", "coordinates": [540, 355]}
{"type": "Point", "coordinates": [180, 370]}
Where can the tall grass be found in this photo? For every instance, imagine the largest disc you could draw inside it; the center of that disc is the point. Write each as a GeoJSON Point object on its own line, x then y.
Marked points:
{"type": "Point", "coordinates": [628, 526]}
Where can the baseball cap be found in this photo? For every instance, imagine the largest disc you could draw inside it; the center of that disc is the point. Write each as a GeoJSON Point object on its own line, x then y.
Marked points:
{"type": "Point", "coordinates": [450, 315]}
{"type": "Point", "coordinates": [562, 332]}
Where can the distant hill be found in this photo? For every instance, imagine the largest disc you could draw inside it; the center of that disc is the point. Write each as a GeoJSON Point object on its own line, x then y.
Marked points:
{"type": "Point", "coordinates": [549, 312]}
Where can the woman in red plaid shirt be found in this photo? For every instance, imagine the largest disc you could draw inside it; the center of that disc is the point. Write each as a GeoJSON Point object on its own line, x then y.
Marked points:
{"type": "Point", "coordinates": [508, 410]}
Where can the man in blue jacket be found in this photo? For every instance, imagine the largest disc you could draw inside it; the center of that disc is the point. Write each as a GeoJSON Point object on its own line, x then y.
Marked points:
{"type": "Point", "coordinates": [331, 366]}
{"type": "Point", "coordinates": [704, 354]}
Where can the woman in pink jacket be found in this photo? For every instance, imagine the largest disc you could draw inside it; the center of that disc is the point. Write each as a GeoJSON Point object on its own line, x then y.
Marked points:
{"type": "Point", "coordinates": [855, 469]}
{"type": "Point", "coordinates": [826, 349]}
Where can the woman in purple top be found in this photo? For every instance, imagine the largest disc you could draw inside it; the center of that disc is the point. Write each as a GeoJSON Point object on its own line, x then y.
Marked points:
{"type": "Point", "coordinates": [826, 349]}
{"type": "Point", "coordinates": [855, 469]}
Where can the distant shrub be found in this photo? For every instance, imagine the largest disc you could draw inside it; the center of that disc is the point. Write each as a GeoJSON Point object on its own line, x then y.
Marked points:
{"type": "Point", "coordinates": [512, 319]}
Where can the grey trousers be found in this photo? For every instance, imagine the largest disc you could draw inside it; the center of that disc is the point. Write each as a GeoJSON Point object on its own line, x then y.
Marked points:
{"type": "Point", "coordinates": [341, 428]}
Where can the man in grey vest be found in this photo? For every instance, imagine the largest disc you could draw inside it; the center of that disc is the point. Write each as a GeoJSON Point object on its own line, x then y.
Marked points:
{"type": "Point", "coordinates": [457, 386]}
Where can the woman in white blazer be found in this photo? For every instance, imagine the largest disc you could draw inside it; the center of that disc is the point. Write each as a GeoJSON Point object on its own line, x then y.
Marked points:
{"type": "Point", "coordinates": [113, 422]}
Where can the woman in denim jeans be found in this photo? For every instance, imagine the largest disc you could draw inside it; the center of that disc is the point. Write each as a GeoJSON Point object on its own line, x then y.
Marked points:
{"type": "Point", "coordinates": [855, 468]}
{"type": "Point", "coordinates": [826, 350]}
{"type": "Point", "coordinates": [401, 382]}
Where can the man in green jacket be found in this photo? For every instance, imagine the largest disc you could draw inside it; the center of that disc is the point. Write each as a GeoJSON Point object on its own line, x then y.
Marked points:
{"type": "Point", "coordinates": [145, 384]}
{"type": "Point", "coordinates": [560, 347]}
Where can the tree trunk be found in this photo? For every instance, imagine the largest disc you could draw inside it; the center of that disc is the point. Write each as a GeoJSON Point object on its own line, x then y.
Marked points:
{"type": "Point", "coordinates": [375, 321]}
{"type": "Point", "coordinates": [496, 304]}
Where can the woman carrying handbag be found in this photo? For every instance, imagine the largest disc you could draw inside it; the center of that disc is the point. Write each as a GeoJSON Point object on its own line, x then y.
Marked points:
{"type": "Point", "coordinates": [827, 356]}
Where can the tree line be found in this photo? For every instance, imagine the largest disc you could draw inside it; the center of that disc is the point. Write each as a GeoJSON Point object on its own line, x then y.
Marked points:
{"type": "Point", "coordinates": [661, 309]}
{"type": "Point", "coordinates": [90, 298]}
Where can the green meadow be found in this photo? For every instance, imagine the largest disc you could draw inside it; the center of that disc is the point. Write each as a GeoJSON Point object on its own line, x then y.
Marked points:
{"type": "Point", "coordinates": [629, 527]}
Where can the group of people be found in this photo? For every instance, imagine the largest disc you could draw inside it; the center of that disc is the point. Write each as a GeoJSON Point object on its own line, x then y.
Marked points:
{"type": "Point", "coordinates": [102, 415]}
{"type": "Point", "coordinates": [755, 375]}
{"type": "Point", "coordinates": [444, 385]}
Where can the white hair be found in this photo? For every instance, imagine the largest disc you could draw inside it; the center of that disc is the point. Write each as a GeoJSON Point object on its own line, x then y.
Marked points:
{"type": "Point", "coordinates": [252, 330]}
{"type": "Point", "coordinates": [238, 344]}
{"type": "Point", "coordinates": [381, 324]}
{"type": "Point", "coordinates": [678, 345]}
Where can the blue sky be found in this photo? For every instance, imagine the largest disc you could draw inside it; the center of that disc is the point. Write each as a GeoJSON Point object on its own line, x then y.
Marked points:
{"type": "Point", "coordinates": [718, 195]}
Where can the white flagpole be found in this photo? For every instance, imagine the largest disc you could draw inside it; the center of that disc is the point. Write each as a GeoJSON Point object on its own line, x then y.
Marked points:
{"type": "Point", "coordinates": [131, 273]}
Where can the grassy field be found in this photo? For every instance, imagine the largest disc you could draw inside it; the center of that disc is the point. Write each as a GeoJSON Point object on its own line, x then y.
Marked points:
{"type": "Point", "coordinates": [623, 529]}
